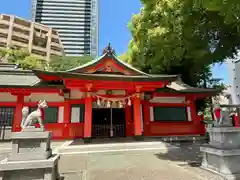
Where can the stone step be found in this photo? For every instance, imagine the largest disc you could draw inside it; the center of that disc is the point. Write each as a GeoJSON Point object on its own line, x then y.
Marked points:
{"type": "Point", "coordinates": [114, 147]}
{"type": "Point", "coordinates": [178, 138]}
{"type": "Point", "coordinates": [127, 144]}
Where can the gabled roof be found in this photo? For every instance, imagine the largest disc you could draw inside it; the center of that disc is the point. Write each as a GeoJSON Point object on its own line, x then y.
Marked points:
{"type": "Point", "coordinates": [179, 86]}
{"type": "Point", "coordinates": [11, 75]}
{"type": "Point", "coordinates": [116, 77]}
{"type": "Point", "coordinates": [108, 55]}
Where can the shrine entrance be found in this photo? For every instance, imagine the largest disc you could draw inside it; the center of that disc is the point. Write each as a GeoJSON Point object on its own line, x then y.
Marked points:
{"type": "Point", "coordinates": [108, 122]}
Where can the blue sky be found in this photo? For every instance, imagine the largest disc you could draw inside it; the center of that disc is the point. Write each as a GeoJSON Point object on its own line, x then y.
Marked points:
{"type": "Point", "coordinates": [114, 17]}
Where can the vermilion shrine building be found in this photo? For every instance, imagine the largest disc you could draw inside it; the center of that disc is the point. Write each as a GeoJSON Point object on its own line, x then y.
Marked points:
{"type": "Point", "coordinates": [105, 97]}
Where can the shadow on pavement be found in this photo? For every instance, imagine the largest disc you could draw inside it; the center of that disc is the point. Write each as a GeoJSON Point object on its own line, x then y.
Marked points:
{"type": "Point", "coordinates": [104, 141]}
{"type": "Point", "coordinates": [185, 153]}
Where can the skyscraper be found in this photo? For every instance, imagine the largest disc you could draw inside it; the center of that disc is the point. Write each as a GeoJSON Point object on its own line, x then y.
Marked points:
{"type": "Point", "coordinates": [75, 20]}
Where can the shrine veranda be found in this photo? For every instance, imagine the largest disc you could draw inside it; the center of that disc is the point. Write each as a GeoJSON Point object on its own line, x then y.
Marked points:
{"type": "Point", "coordinates": [105, 97]}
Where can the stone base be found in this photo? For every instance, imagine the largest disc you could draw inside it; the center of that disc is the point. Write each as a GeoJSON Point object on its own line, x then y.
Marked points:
{"type": "Point", "coordinates": [30, 144]}
{"type": "Point", "coordinates": [139, 138]}
{"type": "Point", "coordinates": [29, 157]}
{"type": "Point", "coordinates": [87, 140]}
{"type": "Point", "coordinates": [32, 129]}
{"type": "Point", "coordinates": [28, 170]}
{"type": "Point", "coordinates": [224, 137]}
{"type": "Point", "coordinates": [221, 161]}
{"type": "Point", "coordinates": [227, 177]}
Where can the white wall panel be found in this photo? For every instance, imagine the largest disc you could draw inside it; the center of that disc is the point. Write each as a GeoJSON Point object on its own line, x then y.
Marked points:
{"type": "Point", "coordinates": [168, 100]}
{"type": "Point", "coordinates": [60, 114]}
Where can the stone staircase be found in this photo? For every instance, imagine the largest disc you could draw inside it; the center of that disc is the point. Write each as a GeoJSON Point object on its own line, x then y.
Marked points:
{"type": "Point", "coordinates": [125, 145]}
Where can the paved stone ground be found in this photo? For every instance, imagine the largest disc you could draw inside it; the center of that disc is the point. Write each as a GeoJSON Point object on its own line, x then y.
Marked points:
{"type": "Point", "coordinates": [188, 157]}
{"type": "Point", "coordinates": [180, 163]}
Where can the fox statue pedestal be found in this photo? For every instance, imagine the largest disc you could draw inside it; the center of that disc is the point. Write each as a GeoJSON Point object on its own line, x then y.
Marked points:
{"type": "Point", "coordinates": [30, 144]}
{"type": "Point", "coordinates": [31, 157]}
{"type": "Point", "coordinates": [222, 154]}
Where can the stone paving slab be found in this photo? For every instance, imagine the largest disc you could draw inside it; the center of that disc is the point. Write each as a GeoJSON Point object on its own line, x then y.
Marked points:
{"type": "Point", "coordinates": [73, 176]}
{"type": "Point", "coordinates": [140, 174]}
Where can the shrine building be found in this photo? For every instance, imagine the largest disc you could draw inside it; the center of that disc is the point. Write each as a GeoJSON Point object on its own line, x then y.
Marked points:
{"type": "Point", "coordinates": [103, 98]}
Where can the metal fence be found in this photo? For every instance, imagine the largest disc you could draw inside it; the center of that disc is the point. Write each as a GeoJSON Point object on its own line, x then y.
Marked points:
{"type": "Point", "coordinates": [105, 130]}
{"type": "Point", "coordinates": [6, 121]}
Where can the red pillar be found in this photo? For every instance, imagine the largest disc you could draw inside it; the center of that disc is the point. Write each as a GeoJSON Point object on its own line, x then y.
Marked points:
{"type": "Point", "coordinates": [137, 116]}
{"type": "Point", "coordinates": [67, 112]}
{"type": "Point", "coordinates": [128, 121]}
{"type": "Point", "coordinates": [88, 118]}
{"type": "Point", "coordinates": [18, 113]}
{"type": "Point", "coordinates": [67, 118]}
{"type": "Point", "coordinates": [146, 109]}
{"type": "Point", "coordinates": [198, 126]}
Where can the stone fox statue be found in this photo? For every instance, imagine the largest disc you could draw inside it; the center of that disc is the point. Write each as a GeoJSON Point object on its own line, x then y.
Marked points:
{"type": "Point", "coordinates": [34, 117]}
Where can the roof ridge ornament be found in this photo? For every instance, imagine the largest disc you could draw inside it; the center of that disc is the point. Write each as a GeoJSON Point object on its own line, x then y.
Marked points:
{"type": "Point", "coordinates": [108, 50]}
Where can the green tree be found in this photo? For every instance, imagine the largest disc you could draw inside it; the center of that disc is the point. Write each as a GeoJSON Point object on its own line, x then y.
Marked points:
{"type": "Point", "coordinates": [63, 63]}
{"type": "Point", "coordinates": [3, 53]}
{"type": "Point", "coordinates": [184, 37]}
{"type": "Point", "coordinates": [124, 57]}
{"type": "Point", "coordinates": [16, 55]}
{"type": "Point", "coordinates": [32, 62]}
{"type": "Point", "coordinates": [23, 58]}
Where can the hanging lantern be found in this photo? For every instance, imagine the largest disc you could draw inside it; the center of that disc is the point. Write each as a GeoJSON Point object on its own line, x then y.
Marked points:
{"type": "Point", "coordinates": [102, 103]}
{"type": "Point", "coordinates": [129, 102]}
{"type": "Point", "coordinates": [98, 101]}
{"type": "Point", "coordinates": [108, 104]}
{"type": "Point", "coordinates": [120, 104]}
{"type": "Point", "coordinates": [114, 104]}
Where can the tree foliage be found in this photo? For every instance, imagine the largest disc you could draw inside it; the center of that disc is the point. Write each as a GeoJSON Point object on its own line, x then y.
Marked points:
{"type": "Point", "coordinates": [22, 57]}
{"type": "Point", "coordinates": [63, 63]}
{"type": "Point", "coordinates": [27, 60]}
{"type": "Point", "coordinates": [32, 62]}
{"type": "Point", "coordinates": [17, 55]}
{"type": "Point", "coordinates": [184, 37]}
{"type": "Point", "coordinates": [3, 53]}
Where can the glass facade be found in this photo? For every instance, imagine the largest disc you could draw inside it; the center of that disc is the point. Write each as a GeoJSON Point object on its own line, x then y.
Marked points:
{"type": "Point", "coordinates": [75, 20]}
{"type": "Point", "coordinates": [94, 28]}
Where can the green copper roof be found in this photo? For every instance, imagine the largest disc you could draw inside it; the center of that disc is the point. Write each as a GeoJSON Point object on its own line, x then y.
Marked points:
{"type": "Point", "coordinates": [179, 86]}
{"type": "Point", "coordinates": [108, 53]}
{"type": "Point", "coordinates": [11, 76]}
{"type": "Point", "coordinates": [14, 77]}
{"type": "Point", "coordinates": [107, 76]}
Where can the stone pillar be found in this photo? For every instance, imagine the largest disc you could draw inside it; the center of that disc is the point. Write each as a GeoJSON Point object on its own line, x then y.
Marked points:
{"type": "Point", "coordinates": [49, 44]}
{"type": "Point", "coordinates": [31, 38]}
{"type": "Point", "coordinates": [137, 116]}
{"type": "Point", "coordinates": [88, 118]}
{"type": "Point", "coordinates": [18, 113]}
{"type": "Point", "coordinates": [10, 31]}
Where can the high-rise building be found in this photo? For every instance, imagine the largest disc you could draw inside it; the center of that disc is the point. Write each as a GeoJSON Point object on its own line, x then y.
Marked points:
{"type": "Point", "coordinates": [75, 20]}
{"type": "Point", "coordinates": [40, 40]}
{"type": "Point", "coordinates": [234, 77]}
